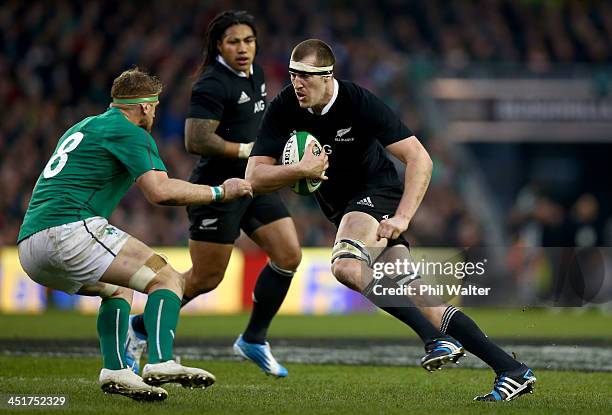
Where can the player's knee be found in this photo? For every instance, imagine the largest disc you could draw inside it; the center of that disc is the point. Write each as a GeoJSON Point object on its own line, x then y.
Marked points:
{"type": "Point", "coordinates": [348, 272]}
{"type": "Point", "coordinates": [156, 273]}
{"type": "Point", "coordinates": [203, 282]}
{"type": "Point", "coordinates": [168, 279]}
{"type": "Point", "coordinates": [120, 292]}
{"type": "Point", "coordinates": [289, 259]}
{"type": "Point", "coordinates": [106, 291]}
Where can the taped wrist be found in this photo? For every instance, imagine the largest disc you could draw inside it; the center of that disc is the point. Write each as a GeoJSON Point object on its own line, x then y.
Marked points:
{"type": "Point", "coordinates": [244, 150]}
{"type": "Point", "coordinates": [218, 192]}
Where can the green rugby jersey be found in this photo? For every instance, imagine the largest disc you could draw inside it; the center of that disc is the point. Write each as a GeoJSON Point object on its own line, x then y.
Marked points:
{"type": "Point", "coordinates": [93, 166]}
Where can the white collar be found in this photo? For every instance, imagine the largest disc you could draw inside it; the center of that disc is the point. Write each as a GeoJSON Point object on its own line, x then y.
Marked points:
{"type": "Point", "coordinates": [241, 74]}
{"type": "Point", "coordinates": [331, 101]}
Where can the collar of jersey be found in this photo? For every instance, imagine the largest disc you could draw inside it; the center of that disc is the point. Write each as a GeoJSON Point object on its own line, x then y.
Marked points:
{"type": "Point", "coordinates": [241, 74]}
{"type": "Point", "coordinates": [331, 101]}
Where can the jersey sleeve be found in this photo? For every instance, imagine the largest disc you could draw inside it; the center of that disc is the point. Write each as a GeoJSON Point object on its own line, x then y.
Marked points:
{"type": "Point", "coordinates": [383, 123]}
{"type": "Point", "coordinates": [208, 97]}
{"type": "Point", "coordinates": [273, 132]}
{"type": "Point", "coordinates": [137, 151]}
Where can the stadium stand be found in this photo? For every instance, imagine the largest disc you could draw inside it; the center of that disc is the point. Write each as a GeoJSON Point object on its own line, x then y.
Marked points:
{"type": "Point", "coordinates": [58, 58]}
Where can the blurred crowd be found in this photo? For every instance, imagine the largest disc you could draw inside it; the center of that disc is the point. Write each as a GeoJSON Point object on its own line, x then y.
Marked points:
{"type": "Point", "coordinates": [58, 60]}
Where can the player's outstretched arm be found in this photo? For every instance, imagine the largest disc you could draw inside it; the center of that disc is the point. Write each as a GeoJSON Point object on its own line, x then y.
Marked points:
{"type": "Point", "coordinates": [159, 189]}
{"type": "Point", "coordinates": [266, 176]}
{"type": "Point", "coordinates": [201, 139]}
{"type": "Point", "coordinates": [418, 173]}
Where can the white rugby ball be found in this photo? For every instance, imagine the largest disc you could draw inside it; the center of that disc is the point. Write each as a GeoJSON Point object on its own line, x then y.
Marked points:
{"type": "Point", "coordinates": [293, 153]}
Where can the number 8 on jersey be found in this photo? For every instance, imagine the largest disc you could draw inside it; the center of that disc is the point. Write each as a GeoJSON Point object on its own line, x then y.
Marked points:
{"type": "Point", "coordinates": [70, 143]}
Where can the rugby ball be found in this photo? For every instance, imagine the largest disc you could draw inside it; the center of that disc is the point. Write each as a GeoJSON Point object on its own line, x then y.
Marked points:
{"type": "Point", "coordinates": [293, 153]}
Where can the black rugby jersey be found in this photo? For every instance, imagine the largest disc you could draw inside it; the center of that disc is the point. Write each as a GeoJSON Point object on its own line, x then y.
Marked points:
{"type": "Point", "coordinates": [353, 133]}
{"type": "Point", "coordinates": [238, 103]}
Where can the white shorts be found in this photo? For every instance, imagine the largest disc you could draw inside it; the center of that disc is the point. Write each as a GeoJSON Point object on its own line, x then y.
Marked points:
{"type": "Point", "coordinates": [69, 256]}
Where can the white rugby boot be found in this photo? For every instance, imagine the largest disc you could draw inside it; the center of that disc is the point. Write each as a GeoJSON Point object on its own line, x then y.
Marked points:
{"type": "Point", "coordinates": [127, 383]}
{"type": "Point", "coordinates": [172, 372]}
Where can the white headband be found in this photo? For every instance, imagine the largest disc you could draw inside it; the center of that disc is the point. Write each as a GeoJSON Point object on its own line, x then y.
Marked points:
{"type": "Point", "coordinates": [300, 67]}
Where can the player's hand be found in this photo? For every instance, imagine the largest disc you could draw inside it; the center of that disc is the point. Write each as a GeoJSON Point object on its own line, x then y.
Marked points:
{"type": "Point", "coordinates": [235, 188]}
{"type": "Point", "coordinates": [392, 228]}
{"type": "Point", "coordinates": [244, 150]}
{"type": "Point", "coordinates": [314, 163]}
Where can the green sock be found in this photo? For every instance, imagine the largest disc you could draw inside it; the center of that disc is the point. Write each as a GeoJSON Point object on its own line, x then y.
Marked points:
{"type": "Point", "coordinates": [112, 326]}
{"type": "Point", "coordinates": [160, 319]}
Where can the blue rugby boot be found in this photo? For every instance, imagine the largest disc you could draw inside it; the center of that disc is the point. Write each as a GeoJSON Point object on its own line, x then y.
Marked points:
{"type": "Point", "coordinates": [135, 346]}
{"type": "Point", "coordinates": [511, 384]}
{"type": "Point", "coordinates": [441, 351]}
{"type": "Point", "coordinates": [261, 355]}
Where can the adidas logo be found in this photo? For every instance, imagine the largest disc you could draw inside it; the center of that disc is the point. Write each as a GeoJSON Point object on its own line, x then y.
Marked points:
{"type": "Point", "coordinates": [366, 201]}
{"type": "Point", "coordinates": [243, 98]}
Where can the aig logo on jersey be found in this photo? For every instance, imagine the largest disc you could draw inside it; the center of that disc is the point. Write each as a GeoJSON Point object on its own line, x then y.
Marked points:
{"type": "Point", "coordinates": [259, 106]}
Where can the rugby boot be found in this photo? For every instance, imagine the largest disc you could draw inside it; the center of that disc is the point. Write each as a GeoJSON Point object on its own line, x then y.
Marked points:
{"type": "Point", "coordinates": [441, 351]}
{"type": "Point", "coordinates": [127, 383]}
{"type": "Point", "coordinates": [261, 355]}
{"type": "Point", "coordinates": [171, 372]}
{"type": "Point", "coordinates": [511, 384]}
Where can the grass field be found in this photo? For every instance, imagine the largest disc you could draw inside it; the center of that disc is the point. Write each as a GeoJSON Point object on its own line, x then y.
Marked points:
{"type": "Point", "coordinates": [312, 388]}
{"type": "Point", "coordinates": [529, 324]}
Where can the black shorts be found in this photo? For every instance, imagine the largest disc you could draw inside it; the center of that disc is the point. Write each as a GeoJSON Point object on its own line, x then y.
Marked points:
{"type": "Point", "coordinates": [221, 222]}
{"type": "Point", "coordinates": [380, 204]}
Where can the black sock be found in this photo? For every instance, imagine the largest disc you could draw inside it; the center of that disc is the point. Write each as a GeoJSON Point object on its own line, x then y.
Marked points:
{"type": "Point", "coordinates": [138, 324]}
{"type": "Point", "coordinates": [270, 291]}
{"type": "Point", "coordinates": [185, 300]}
{"type": "Point", "coordinates": [400, 307]}
{"type": "Point", "coordinates": [464, 329]}
{"type": "Point", "coordinates": [138, 320]}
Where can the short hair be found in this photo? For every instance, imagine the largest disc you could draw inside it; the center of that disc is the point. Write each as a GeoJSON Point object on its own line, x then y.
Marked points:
{"type": "Point", "coordinates": [135, 83]}
{"type": "Point", "coordinates": [324, 55]}
{"type": "Point", "coordinates": [217, 28]}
